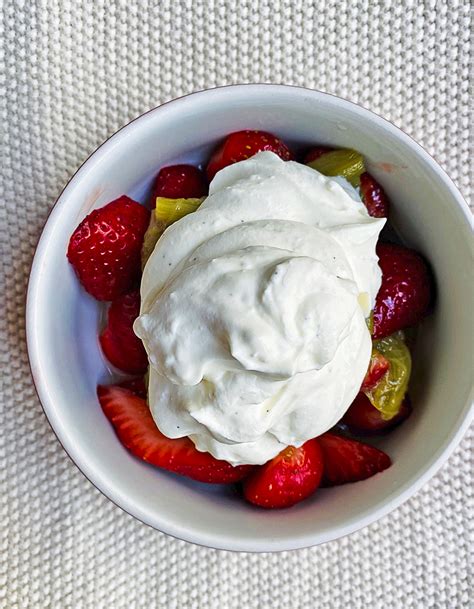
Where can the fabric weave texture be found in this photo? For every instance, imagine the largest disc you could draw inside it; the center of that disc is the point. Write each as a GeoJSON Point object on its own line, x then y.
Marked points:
{"type": "Point", "coordinates": [72, 73]}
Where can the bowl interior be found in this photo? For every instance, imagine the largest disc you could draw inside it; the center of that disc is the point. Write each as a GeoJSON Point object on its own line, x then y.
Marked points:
{"type": "Point", "coordinates": [63, 321]}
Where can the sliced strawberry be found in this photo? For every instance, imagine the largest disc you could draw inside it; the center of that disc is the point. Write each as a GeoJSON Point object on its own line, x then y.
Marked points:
{"type": "Point", "coordinates": [119, 342]}
{"type": "Point", "coordinates": [179, 182]}
{"type": "Point", "coordinates": [136, 386]}
{"type": "Point", "coordinates": [290, 477]}
{"type": "Point", "coordinates": [348, 460]}
{"type": "Point", "coordinates": [242, 145]}
{"type": "Point", "coordinates": [136, 429]}
{"type": "Point", "coordinates": [363, 418]}
{"type": "Point", "coordinates": [105, 248]}
{"type": "Point", "coordinates": [378, 366]}
{"type": "Point", "coordinates": [406, 292]}
{"type": "Point", "coordinates": [373, 196]}
{"type": "Point", "coordinates": [315, 152]}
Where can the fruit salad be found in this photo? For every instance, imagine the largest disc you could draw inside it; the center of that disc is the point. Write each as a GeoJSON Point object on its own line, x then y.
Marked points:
{"type": "Point", "coordinates": [257, 318]}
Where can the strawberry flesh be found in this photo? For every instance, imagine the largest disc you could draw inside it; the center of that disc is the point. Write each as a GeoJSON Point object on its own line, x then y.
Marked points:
{"type": "Point", "coordinates": [347, 460]}
{"type": "Point", "coordinates": [406, 292]}
{"type": "Point", "coordinates": [363, 418]}
{"type": "Point", "coordinates": [119, 343]}
{"type": "Point", "coordinates": [373, 196]}
{"type": "Point", "coordinates": [242, 145]}
{"type": "Point", "coordinates": [290, 477]}
{"type": "Point", "coordinates": [180, 182]}
{"type": "Point", "coordinates": [378, 366]}
{"type": "Point", "coordinates": [105, 248]}
{"type": "Point", "coordinates": [137, 431]}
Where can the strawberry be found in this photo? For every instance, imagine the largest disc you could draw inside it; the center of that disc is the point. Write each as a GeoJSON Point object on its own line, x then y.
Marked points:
{"type": "Point", "coordinates": [179, 182]}
{"type": "Point", "coordinates": [315, 152]}
{"type": "Point", "coordinates": [405, 295]}
{"type": "Point", "coordinates": [373, 196]}
{"type": "Point", "coordinates": [362, 417]}
{"type": "Point", "coordinates": [348, 460]}
{"type": "Point", "coordinates": [288, 478]}
{"type": "Point", "coordinates": [105, 248]}
{"type": "Point", "coordinates": [242, 145]}
{"type": "Point", "coordinates": [136, 429]}
{"type": "Point", "coordinates": [136, 386]}
{"type": "Point", "coordinates": [119, 342]}
{"type": "Point", "coordinates": [378, 366]}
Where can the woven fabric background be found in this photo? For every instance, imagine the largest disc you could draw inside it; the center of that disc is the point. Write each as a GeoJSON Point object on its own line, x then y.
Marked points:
{"type": "Point", "coordinates": [71, 74]}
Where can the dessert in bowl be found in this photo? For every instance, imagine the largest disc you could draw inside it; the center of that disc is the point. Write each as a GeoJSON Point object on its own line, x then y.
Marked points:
{"type": "Point", "coordinates": [273, 302]}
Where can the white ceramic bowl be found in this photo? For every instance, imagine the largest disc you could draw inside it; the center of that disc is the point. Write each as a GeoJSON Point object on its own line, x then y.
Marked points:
{"type": "Point", "coordinates": [63, 322]}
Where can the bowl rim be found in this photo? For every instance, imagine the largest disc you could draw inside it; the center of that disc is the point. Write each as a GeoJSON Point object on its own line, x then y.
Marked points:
{"type": "Point", "coordinates": [126, 503]}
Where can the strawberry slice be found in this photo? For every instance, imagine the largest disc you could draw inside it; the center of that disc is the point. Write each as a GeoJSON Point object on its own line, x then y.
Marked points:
{"type": "Point", "coordinates": [315, 152]}
{"type": "Point", "coordinates": [119, 342]}
{"type": "Point", "coordinates": [378, 366]}
{"type": "Point", "coordinates": [179, 182]}
{"type": "Point", "coordinates": [373, 196]}
{"type": "Point", "coordinates": [363, 418]}
{"type": "Point", "coordinates": [136, 429]}
{"type": "Point", "coordinates": [348, 460]}
{"type": "Point", "coordinates": [406, 292]}
{"type": "Point", "coordinates": [290, 477]}
{"type": "Point", "coordinates": [242, 145]}
{"type": "Point", "coordinates": [105, 248]}
{"type": "Point", "coordinates": [136, 386]}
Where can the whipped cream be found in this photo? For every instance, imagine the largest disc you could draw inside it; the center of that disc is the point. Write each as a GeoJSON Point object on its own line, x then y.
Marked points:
{"type": "Point", "coordinates": [253, 310]}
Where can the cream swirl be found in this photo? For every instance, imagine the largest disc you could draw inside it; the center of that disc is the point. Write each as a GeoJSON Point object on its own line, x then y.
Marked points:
{"type": "Point", "coordinates": [253, 310]}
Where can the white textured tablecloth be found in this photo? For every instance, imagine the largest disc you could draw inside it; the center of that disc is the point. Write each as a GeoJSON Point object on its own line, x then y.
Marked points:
{"type": "Point", "coordinates": [73, 73]}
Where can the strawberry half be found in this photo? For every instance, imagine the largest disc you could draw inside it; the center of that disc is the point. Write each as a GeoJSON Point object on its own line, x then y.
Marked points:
{"type": "Point", "coordinates": [105, 248]}
{"type": "Point", "coordinates": [137, 431]}
{"type": "Point", "coordinates": [378, 366]}
{"type": "Point", "coordinates": [363, 418]}
{"type": "Point", "coordinates": [290, 477]}
{"type": "Point", "coordinates": [406, 292]}
{"type": "Point", "coordinates": [120, 344]}
{"type": "Point", "coordinates": [373, 196]}
{"type": "Point", "coordinates": [180, 182]}
{"type": "Point", "coordinates": [242, 145]}
{"type": "Point", "coordinates": [348, 460]}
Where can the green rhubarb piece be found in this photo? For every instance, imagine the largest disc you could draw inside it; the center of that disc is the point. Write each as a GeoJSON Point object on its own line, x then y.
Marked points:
{"type": "Point", "coordinates": [171, 210]}
{"type": "Point", "coordinates": [343, 162]}
{"type": "Point", "coordinates": [387, 395]}
{"type": "Point", "coordinates": [153, 233]}
{"type": "Point", "coordinates": [166, 212]}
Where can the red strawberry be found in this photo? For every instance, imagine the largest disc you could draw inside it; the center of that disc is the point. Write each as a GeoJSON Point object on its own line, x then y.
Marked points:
{"type": "Point", "coordinates": [347, 460]}
{"type": "Point", "coordinates": [136, 386]}
{"type": "Point", "coordinates": [119, 342]}
{"type": "Point", "coordinates": [362, 417]}
{"type": "Point", "coordinates": [105, 248]}
{"type": "Point", "coordinates": [405, 295]}
{"type": "Point", "coordinates": [378, 366]}
{"type": "Point", "coordinates": [242, 145]}
{"type": "Point", "coordinates": [373, 196]}
{"type": "Point", "coordinates": [290, 477]}
{"type": "Point", "coordinates": [136, 429]}
{"type": "Point", "coordinates": [315, 152]}
{"type": "Point", "coordinates": [179, 182]}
